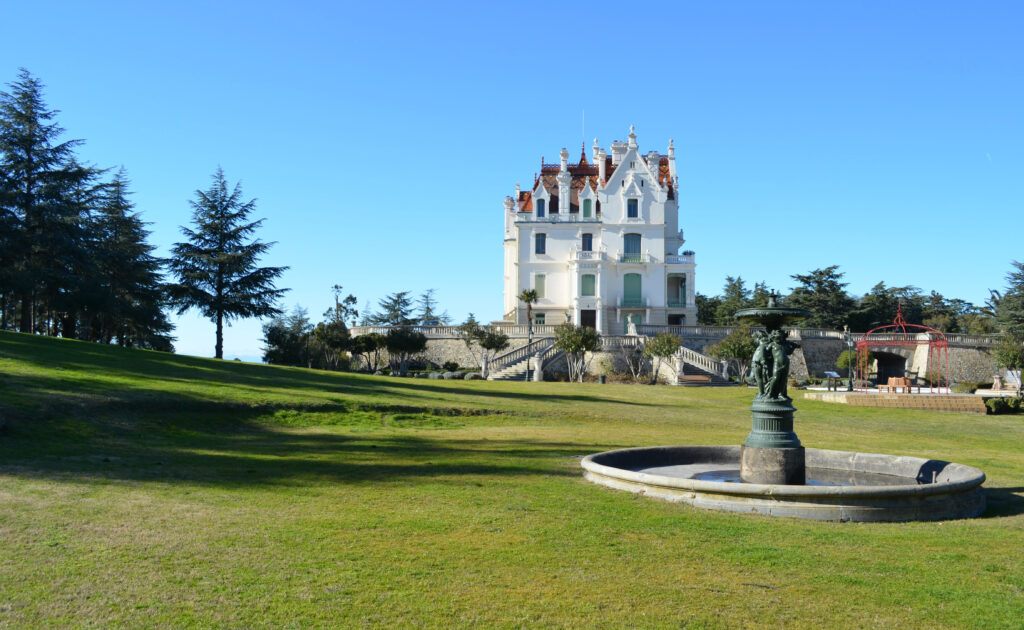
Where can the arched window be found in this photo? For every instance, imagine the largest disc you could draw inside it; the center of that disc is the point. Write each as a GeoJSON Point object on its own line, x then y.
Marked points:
{"type": "Point", "coordinates": [588, 242]}
{"type": "Point", "coordinates": [540, 243]}
{"type": "Point", "coordinates": [540, 208]}
{"type": "Point", "coordinates": [587, 208]}
{"type": "Point", "coordinates": [632, 208]}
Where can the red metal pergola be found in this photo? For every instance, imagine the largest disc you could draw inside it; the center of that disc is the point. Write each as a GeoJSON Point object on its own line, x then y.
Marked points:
{"type": "Point", "coordinates": [900, 333]}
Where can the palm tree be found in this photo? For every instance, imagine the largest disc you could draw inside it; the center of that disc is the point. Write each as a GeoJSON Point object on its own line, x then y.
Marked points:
{"type": "Point", "coordinates": [529, 296]}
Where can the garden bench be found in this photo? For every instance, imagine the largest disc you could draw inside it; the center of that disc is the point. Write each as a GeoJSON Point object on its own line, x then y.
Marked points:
{"type": "Point", "coordinates": [897, 382]}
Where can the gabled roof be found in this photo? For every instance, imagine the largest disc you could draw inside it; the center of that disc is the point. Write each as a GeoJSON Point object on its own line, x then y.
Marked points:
{"type": "Point", "coordinates": [585, 174]}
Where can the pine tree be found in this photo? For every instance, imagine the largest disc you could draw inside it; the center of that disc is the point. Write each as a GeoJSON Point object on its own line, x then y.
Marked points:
{"type": "Point", "coordinates": [128, 290]}
{"type": "Point", "coordinates": [395, 310]}
{"type": "Point", "coordinates": [822, 293]}
{"type": "Point", "coordinates": [1010, 310]}
{"type": "Point", "coordinates": [42, 193]}
{"type": "Point", "coordinates": [216, 268]}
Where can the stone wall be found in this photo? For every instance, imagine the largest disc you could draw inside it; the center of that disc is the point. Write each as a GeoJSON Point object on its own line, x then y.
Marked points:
{"type": "Point", "coordinates": [971, 365]}
{"type": "Point", "coordinates": [605, 363]}
{"type": "Point", "coordinates": [814, 357]}
{"type": "Point", "coordinates": [441, 350]}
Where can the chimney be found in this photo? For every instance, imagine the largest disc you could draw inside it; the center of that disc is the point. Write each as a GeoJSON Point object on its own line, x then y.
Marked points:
{"type": "Point", "coordinates": [618, 152]}
{"type": "Point", "coordinates": [602, 161]}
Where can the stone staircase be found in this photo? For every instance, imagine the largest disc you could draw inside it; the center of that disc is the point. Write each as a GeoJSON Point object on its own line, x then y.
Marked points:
{"type": "Point", "coordinates": [700, 370]}
{"type": "Point", "coordinates": [512, 366]}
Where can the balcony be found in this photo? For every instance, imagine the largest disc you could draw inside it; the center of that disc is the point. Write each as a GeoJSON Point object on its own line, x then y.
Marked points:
{"type": "Point", "coordinates": [641, 259]}
{"type": "Point", "coordinates": [679, 259]}
{"type": "Point", "coordinates": [676, 303]}
{"type": "Point", "coordinates": [558, 217]}
{"type": "Point", "coordinates": [633, 303]}
{"type": "Point", "coordinates": [577, 254]}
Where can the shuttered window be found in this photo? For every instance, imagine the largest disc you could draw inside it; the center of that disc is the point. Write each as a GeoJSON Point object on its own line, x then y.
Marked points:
{"type": "Point", "coordinates": [587, 285]}
{"type": "Point", "coordinates": [632, 289]}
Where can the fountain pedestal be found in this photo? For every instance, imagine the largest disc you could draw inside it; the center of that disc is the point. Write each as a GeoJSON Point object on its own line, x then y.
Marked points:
{"type": "Point", "coordinates": [772, 452]}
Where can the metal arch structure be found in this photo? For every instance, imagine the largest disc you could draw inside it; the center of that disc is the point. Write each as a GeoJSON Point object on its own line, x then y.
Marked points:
{"type": "Point", "coordinates": [900, 333]}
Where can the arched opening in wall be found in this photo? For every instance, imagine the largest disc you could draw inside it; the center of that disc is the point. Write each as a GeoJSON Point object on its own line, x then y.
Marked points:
{"type": "Point", "coordinates": [907, 337]}
{"type": "Point", "coordinates": [889, 365]}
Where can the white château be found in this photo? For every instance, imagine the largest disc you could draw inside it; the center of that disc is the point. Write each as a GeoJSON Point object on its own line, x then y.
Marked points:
{"type": "Point", "coordinates": [599, 241]}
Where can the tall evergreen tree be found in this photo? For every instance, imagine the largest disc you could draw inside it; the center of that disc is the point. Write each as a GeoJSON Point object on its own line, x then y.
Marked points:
{"type": "Point", "coordinates": [821, 292]}
{"type": "Point", "coordinates": [217, 268]}
{"type": "Point", "coordinates": [395, 310]}
{"type": "Point", "coordinates": [1010, 310]}
{"type": "Point", "coordinates": [128, 289]}
{"type": "Point", "coordinates": [41, 193]}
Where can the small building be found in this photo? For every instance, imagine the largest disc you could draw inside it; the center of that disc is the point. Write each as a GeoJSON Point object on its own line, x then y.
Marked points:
{"type": "Point", "coordinates": [599, 241]}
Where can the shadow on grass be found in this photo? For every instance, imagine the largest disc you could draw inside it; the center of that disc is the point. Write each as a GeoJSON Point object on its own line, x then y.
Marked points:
{"type": "Point", "coordinates": [1003, 502]}
{"type": "Point", "coordinates": [78, 362]}
{"type": "Point", "coordinates": [237, 449]}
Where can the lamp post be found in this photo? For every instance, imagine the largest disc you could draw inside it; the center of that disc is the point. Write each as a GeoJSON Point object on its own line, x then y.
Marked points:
{"type": "Point", "coordinates": [850, 357]}
{"type": "Point", "coordinates": [529, 342]}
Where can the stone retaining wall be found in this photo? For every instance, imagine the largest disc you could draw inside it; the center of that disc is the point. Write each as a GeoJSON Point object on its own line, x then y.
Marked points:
{"type": "Point", "coordinates": [814, 357]}
{"type": "Point", "coordinates": [933, 402]}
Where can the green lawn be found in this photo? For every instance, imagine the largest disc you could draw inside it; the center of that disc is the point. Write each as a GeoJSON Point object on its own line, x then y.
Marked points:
{"type": "Point", "coordinates": [146, 489]}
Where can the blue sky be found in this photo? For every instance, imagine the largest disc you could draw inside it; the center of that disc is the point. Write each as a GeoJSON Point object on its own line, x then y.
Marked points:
{"type": "Point", "coordinates": [381, 138]}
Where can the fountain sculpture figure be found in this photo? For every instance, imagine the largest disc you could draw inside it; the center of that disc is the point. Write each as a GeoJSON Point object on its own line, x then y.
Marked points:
{"type": "Point", "coordinates": [772, 453]}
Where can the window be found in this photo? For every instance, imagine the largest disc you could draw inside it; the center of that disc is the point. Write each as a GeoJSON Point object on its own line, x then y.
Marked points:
{"type": "Point", "coordinates": [632, 290]}
{"type": "Point", "coordinates": [539, 319]}
{"type": "Point", "coordinates": [587, 208]}
{"type": "Point", "coordinates": [540, 243]}
{"type": "Point", "coordinates": [632, 208]}
{"type": "Point", "coordinates": [631, 244]}
{"type": "Point", "coordinates": [588, 242]}
{"type": "Point", "coordinates": [540, 208]}
{"type": "Point", "coordinates": [538, 285]}
{"type": "Point", "coordinates": [587, 285]}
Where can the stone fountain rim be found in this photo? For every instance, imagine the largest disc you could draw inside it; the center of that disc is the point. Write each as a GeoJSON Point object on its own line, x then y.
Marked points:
{"type": "Point", "coordinates": [964, 477]}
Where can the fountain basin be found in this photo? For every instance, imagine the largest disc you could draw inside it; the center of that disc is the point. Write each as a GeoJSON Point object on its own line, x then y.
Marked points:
{"type": "Point", "coordinates": [915, 489]}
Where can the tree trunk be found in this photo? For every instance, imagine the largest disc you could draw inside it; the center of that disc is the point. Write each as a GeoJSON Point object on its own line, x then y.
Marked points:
{"type": "Point", "coordinates": [68, 326]}
{"type": "Point", "coordinates": [25, 325]}
{"type": "Point", "coordinates": [219, 349]}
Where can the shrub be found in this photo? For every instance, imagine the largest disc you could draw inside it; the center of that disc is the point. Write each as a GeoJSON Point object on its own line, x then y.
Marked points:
{"type": "Point", "coordinates": [1014, 404]}
{"type": "Point", "coordinates": [402, 343]}
{"type": "Point", "coordinates": [449, 366]}
{"type": "Point", "coordinates": [473, 376]}
{"type": "Point", "coordinates": [964, 388]}
{"type": "Point", "coordinates": [661, 347]}
{"type": "Point", "coordinates": [576, 342]}
{"type": "Point", "coordinates": [997, 406]}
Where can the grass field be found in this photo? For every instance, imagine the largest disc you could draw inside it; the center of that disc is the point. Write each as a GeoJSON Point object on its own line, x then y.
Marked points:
{"type": "Point", "coordinates": [147, 489]}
